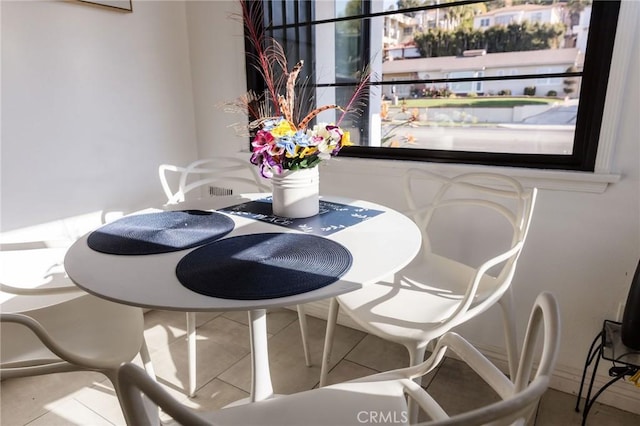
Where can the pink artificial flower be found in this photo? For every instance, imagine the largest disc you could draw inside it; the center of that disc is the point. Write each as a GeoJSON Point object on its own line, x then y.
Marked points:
{"type": "Point", "coordinates": [262, 141]}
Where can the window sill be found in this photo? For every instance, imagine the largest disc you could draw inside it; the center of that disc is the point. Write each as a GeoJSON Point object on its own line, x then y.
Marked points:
{"type": "Point", "coordinates": [559, 180]}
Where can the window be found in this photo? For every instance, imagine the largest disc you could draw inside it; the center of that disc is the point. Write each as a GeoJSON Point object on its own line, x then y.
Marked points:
{"type": "Point", "coordinates": [487, 99]}
{"type": "Point", "coordinates": [549, 81]}
{"type": "Point", "coordinates": [505, 19]}
{"type": "Point", "coordinates": [467, 85]}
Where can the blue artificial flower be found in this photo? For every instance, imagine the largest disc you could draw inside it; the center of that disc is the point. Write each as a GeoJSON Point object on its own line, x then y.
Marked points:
{"type": "Point", "coordinates": [287, 142]}
{"type": "Point", "coordinates": [301, 138]}
{"type": "Point", "coordinates": [271, 123]}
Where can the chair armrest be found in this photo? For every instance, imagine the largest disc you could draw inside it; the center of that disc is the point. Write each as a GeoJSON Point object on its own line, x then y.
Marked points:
{"type": "Point", "coordinates": [36, 244]}
{"type": "Point", "coordinates": [39, 291]}
{"type": "Point", "coordinates": [162, 171]}
{"type": "Point", "coordinates": [464, 350]}
{"type": "Point", "coordinates": [474, 284]}
{"type": "Point", "coordinates": [133, 380]}
{"type": "Point", "coordinates": [40, 269]}
{"type": "Point", "coordinates": [478, 363]}
{"type": "Point", "coordinates": [37, 329]}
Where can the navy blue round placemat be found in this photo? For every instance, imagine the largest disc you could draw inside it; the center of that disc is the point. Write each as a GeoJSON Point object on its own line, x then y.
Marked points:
{"type": "Point", "coordinates": [263, 266]}
{"type": "Point", "coordinates": [161, 232]}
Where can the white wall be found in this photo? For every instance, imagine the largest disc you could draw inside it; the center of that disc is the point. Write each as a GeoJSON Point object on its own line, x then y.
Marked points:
{"type": "Point", "coordinates": [93, 100]}
{"type": "Point", "coordinates": [218, 69]}
{"type": "Point", "coordinates": [582, 246]}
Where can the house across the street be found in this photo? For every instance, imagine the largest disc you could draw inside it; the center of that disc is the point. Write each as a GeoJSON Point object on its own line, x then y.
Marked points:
{"type": "Point", "coordinates": [478, 64]}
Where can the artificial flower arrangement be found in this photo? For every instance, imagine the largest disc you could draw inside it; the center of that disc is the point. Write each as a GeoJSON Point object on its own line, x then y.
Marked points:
{"type": "Point", "coordinates": [281, 119]}
{"type": "Point", "coordinates": [280, 145]}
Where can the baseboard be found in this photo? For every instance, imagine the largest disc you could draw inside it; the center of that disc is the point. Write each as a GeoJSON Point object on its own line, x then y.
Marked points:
{"type": "Point", "coordinates": [622, 395]}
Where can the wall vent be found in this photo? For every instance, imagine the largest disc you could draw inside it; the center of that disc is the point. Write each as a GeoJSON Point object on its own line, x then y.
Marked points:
{"type": "Point", "coordinates": [215, 191]}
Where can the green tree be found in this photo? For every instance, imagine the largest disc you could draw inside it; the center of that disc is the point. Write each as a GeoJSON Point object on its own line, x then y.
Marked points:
{"type": "Point", "coordinates": [407, 4]}
{"type": "Point", "coordinates": [461, 16]}
{"type": "Point", "coordinates": [511, 38]}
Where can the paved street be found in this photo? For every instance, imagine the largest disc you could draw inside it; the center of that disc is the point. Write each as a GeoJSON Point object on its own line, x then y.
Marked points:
{"type": "Point", "coordinates": [550, 132]}
{"type": "Point", "coordinates": [539, 139]}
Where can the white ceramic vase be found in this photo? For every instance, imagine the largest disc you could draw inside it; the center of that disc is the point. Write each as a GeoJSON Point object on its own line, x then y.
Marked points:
{"type": "Point", "coordinates": [295, 193]}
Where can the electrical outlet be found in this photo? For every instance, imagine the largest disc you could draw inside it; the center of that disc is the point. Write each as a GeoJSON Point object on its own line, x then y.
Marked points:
{"type": "Point", "coordinates": [620, 311]}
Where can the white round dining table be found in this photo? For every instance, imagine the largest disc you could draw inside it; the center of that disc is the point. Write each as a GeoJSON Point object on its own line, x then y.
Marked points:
{"type": "Point", "coordinates": [379, 246]}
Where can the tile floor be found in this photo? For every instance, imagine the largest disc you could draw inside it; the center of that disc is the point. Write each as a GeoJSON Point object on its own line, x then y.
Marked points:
{"type": "Point", "coordinates": [223, 374]}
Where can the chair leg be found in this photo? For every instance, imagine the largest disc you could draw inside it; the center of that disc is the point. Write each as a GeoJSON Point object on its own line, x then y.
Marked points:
{"type": "Point", "coordinates": [146, 360]}
{"type": "Point", "coordinates": [191, 353]}
{"type": "Point", "coordinates": [510, 333]}
{"type": "Point", "coordinates": [332, 320]}
{"type": "Point", "coordinates": [416, 356]}
{"type": "Point", "coordinates": [304, 332]}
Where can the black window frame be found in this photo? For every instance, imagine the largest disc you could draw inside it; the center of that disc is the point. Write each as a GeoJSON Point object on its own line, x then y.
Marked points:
{"type": "Point", "coordinates": [595, 76]}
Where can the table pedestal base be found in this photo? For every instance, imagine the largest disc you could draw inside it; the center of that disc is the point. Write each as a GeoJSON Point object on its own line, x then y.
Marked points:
{"type": "Point", "coordinates": [261, 387]}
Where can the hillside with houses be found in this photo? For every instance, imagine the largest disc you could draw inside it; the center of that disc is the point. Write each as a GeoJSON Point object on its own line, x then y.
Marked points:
{"type": "Point", "coordinates": [465, 42]}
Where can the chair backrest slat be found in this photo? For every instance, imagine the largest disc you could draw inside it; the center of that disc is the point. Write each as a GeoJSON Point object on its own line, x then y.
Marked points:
{"type": "Point", "coordinates": [219, 170]}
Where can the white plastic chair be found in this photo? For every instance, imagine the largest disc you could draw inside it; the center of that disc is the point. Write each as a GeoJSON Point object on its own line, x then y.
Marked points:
{"type": "Point", "coordinates": [214, 172]}
{"type": "Point", "coordinates": [463, 269]}
{"type": "Point", "coordinates": [48, 325]}
{"type": "Point", "coordinates": [383, 394]}
{"type": "Point", "coordinates": [222, 173]}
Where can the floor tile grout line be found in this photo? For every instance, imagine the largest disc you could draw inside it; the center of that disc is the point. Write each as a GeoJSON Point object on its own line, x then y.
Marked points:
{"type": "Point", "coordinates": [344, 358]}
{"type": "Point", "coordinates": [94, 411]}
{"type": "Point", "coordinates": [37, 417]}
{"type": "Point", "coordinates": [232, 385]}
{"type": "Point", "coordinates": [224, 371]}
